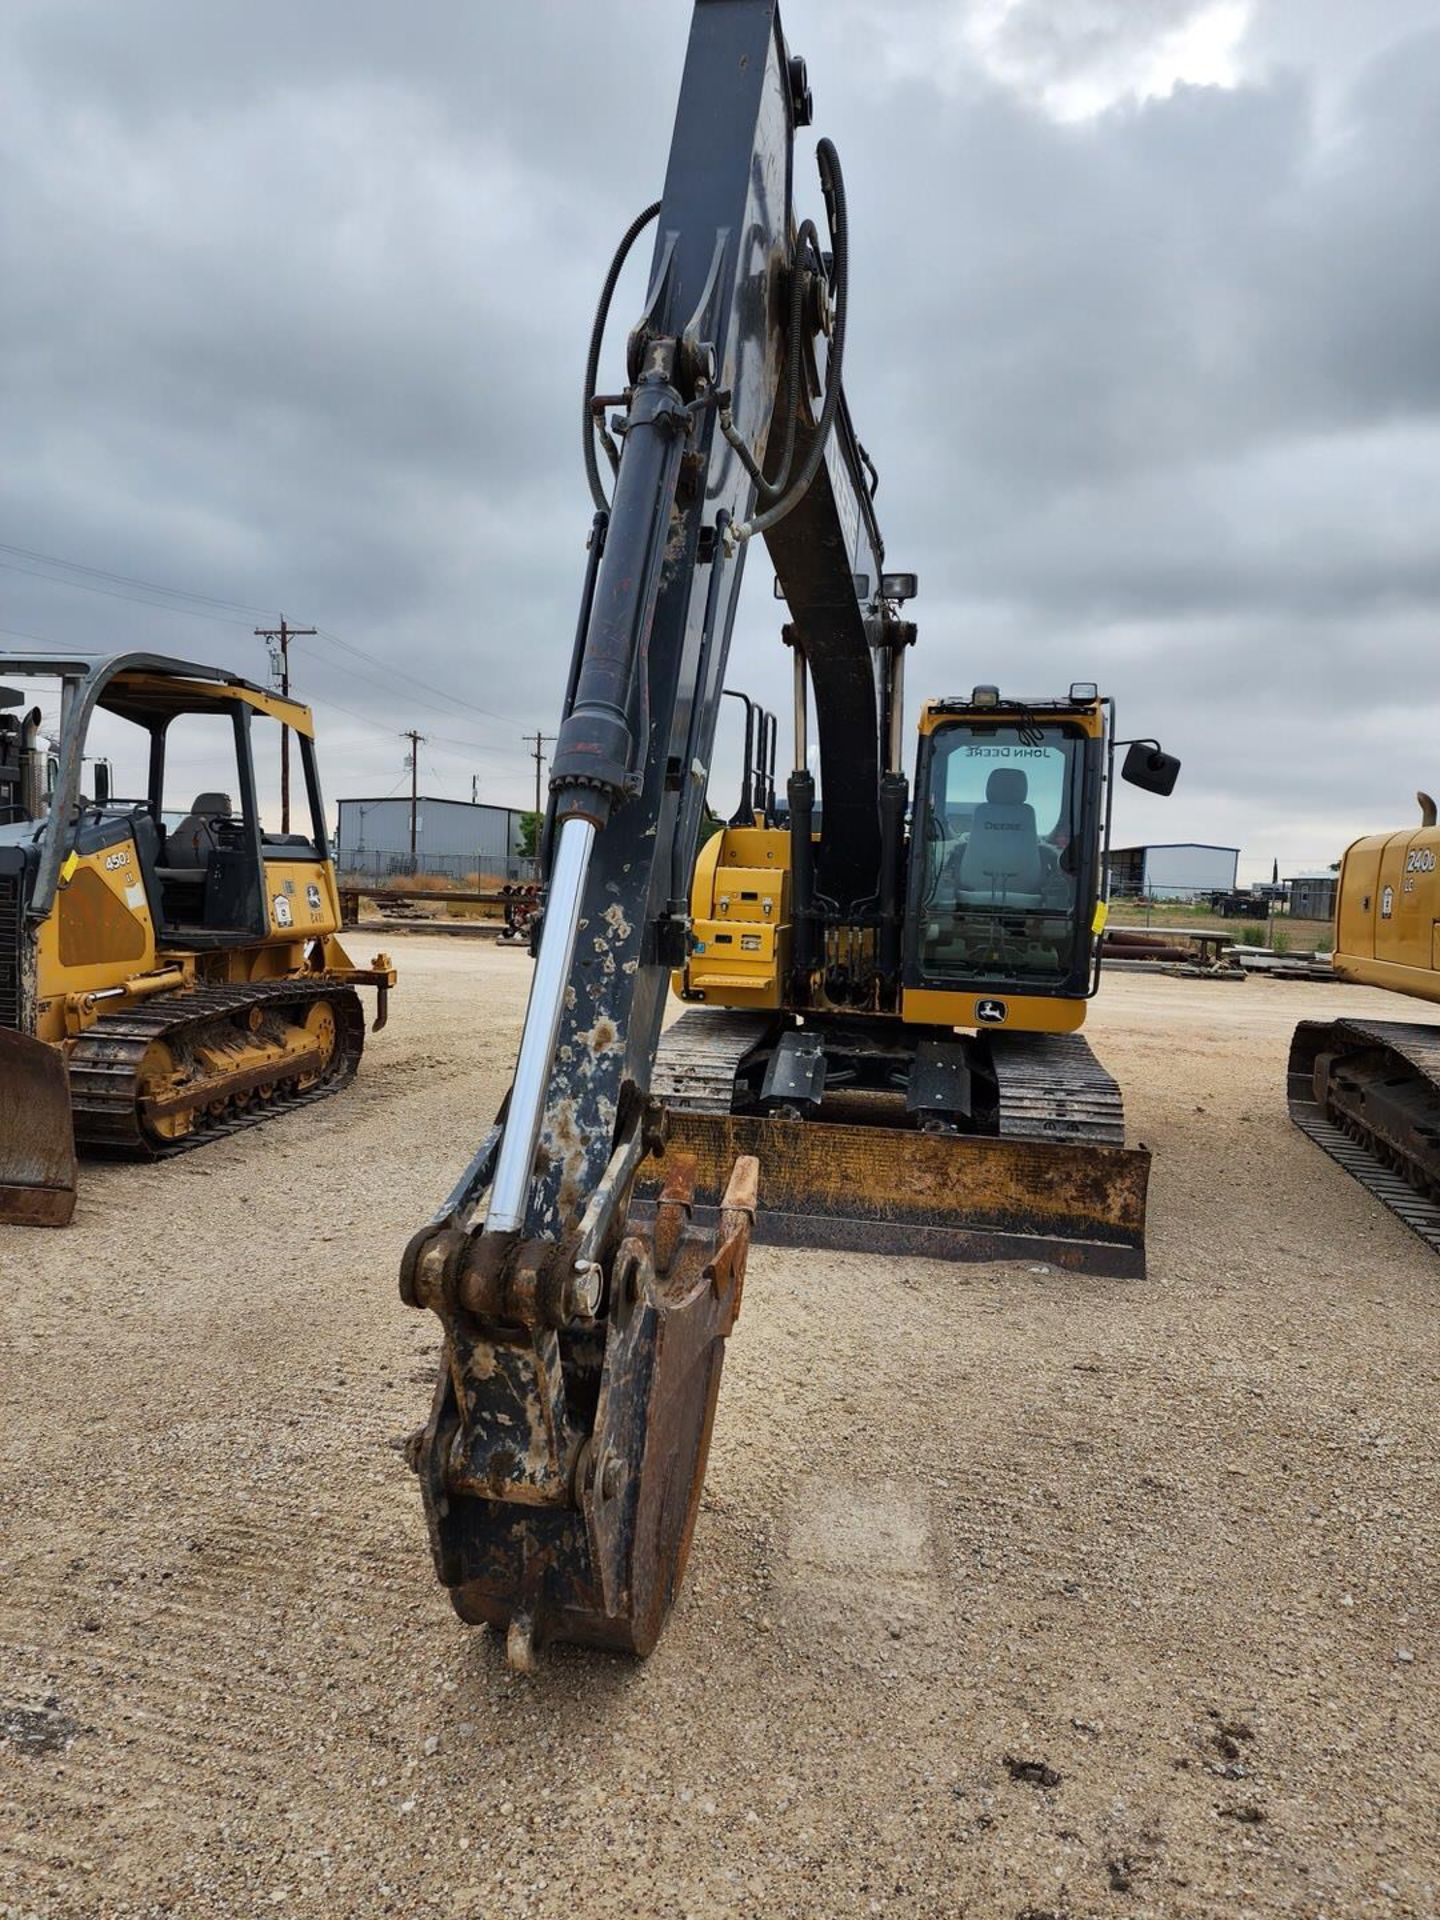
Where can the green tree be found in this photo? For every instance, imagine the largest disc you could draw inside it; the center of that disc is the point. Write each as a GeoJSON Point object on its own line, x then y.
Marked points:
{"type": "Point", "coordinates": [530, 826]}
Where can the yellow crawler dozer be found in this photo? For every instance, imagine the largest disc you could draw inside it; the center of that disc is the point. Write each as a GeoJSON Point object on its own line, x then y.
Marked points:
{"type": "Point", "coordinates": [169, 968]}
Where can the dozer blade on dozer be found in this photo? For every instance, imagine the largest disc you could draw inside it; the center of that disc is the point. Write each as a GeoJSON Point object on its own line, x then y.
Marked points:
{"type": "Point", "coordinates": [1079, 1206]}
{"type": "Point", "coordinates": [38, 1173]}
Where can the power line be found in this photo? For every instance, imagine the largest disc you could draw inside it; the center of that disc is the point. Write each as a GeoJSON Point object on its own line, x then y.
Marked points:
{"type": "Point", "coordinates": [124, 586]}
{"type": "Point", "coordinates": [129, 580]}
{"type": "Point", "coordinates": [118, 593]}
{"type": "Point", "coordinates": [410, 679]}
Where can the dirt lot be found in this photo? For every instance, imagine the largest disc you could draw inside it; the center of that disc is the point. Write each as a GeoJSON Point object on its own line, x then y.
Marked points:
{"type": "Point", "coordinates": [1012, 1594]}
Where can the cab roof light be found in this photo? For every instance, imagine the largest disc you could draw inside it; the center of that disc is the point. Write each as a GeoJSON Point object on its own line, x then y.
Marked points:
{"type": "Point", "coordinates": [1083, 690]}
{"type": "Point", "coordinates": [985, 697]}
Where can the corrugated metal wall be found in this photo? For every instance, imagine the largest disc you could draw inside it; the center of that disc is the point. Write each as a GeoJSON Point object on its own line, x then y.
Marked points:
{"type": "Point", "coordinates": [452, 838]}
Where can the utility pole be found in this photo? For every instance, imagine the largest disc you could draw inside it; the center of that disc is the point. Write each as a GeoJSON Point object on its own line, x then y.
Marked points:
{"type": "Point", "coordinates": [474, 789]}
{"type": "Point", "coordinates": [415, 739]}
{"type": "Point", "coordinates": [280, 667]}
{"type": "Point", "coordinates": [538, 756]}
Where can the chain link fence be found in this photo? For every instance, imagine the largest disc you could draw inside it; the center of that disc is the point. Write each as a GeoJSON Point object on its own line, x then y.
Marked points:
{"type": "Point", "coordinates": [476, 871]}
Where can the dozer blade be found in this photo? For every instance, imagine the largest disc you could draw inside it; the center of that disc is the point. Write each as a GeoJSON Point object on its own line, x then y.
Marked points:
{"type": "Point", "coordinates": [944, 1196]}
{"type": "Point", "coordinates": [37, 1136]}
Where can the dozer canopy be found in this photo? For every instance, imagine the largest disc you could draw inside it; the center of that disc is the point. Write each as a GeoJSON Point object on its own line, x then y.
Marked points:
{"type": "Point", "coordinates": [147, 688]}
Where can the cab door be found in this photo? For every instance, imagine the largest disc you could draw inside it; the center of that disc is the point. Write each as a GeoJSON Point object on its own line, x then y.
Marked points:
{"type": "Point", "coordinates": [300, 898]}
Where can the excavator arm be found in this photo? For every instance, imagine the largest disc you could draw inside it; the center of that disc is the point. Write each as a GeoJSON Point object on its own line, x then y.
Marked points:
{"type": "Point", "coordinates": [562, 1461]}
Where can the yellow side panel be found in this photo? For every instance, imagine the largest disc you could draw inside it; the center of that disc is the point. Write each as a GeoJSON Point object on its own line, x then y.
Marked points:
{"type": "Point", "coordinates": [740, 919]}
{"type": "Point", "coordinates": [1027, 1013]}
{"type": "Point", "coordinates": [1423, 983]}
{"type": "Point", "coordinates": [738, 954]}
{"type": "Point", "coordinates": [99, 931]}
{"type": "Point", "coordinates": [1358, 901]}
{"type": "Point", "coordinates": [752, 847]}
{"type": "Point", "coordinates": [301, 898]}
{"type": "Point", "coordinates": [752, 893]}
{"type": "Point", "coordinates": [1406, 938]}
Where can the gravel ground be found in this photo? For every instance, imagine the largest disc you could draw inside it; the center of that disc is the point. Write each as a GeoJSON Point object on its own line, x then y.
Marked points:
{"type": "Point", "coordinates": [1012, 1594]}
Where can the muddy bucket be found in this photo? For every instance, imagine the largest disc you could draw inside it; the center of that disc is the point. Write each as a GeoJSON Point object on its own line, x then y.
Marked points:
{"type": "Point", "coordinates": [942, 1196]}
{"type": "Point", "coordinates": [37, 1136]}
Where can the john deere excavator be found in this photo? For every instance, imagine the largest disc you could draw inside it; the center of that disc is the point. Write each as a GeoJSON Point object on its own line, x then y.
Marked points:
{"type": "Point", "coordinates": [881, 1046]}
{"type": "Point", "coordinates": [168, 972]}
{"type": "Point", "coordinates": [1368, 1091]}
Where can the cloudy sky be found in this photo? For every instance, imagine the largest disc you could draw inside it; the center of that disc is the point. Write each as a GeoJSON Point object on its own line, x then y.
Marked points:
{"type": "Point", "coordinates": [1145, 338]}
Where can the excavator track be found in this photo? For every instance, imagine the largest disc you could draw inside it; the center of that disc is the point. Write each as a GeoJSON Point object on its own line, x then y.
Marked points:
{"type": "Point", "coordinates": [699, 1056]}
{"type": "Point", "coordinates": [1053, 1088]}
{"type": "Point", "coordinates": [107, 1060]}
{"type": "Point", "coordinates": [1367, 1092]}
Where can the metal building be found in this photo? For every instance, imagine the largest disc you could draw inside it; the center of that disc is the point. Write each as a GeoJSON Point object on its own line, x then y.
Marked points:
{"type": "Point", "coordinates": [1312, 895]}
{"type": "Point", "coordinates": [1183, 870]}
{"type": "Point", "coordinates": [453, 839]}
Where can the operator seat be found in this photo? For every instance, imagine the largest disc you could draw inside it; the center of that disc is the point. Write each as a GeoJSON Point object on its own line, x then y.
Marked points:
{"type": "Point", "coordinates": [188, 847]}
{"type": "Point", "coordinates": [1000, 865]}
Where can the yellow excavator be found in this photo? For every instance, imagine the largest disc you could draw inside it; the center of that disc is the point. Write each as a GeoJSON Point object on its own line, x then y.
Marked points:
{"type": "Point", "coordinates": [929, 1036]}
{"type": "Point", "coordinates": [169, 970]}
{"type": "Point", "coordinates": [880, 1045]}
{"type": "Point", "coordinates": [1368, 1091]}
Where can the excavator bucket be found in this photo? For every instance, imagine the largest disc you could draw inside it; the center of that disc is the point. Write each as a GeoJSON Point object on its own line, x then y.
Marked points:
{"type": "Point", "coordinates": [37, 1136]}
{"type": "Point", "coordinates": [944, 1196]}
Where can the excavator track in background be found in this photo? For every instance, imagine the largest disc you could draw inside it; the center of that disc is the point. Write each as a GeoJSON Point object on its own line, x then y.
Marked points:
{"type": "Point", "coordinates": [112, 1112]}
{"type": "Point", "coordinates": [1368, 1093]}
{"type": "Point", "coordinates": [1055, 1182]}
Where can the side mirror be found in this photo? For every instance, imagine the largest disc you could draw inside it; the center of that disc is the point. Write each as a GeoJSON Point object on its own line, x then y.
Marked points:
{"type": "Point", "coordinates": [102, 783]}
{"type": "Point", "coordinates": [1145, 766]}
{"type": "Point", "coordinates": [11, 697]}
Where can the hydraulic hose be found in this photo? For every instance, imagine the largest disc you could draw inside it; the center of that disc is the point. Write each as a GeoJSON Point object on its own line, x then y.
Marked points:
{"type": "Point", "coordinates": [597, 338]}
{"type": "Point", "coordinates": [806, 240]}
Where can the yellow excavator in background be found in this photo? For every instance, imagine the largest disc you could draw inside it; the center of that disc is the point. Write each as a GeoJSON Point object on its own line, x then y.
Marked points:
{"type": "Point", "coordinates": [168, 972]}
{"type": "Point", "coordinates": [1368, 1091]}
{"type": "Point", "coordinates": [928, 1039]}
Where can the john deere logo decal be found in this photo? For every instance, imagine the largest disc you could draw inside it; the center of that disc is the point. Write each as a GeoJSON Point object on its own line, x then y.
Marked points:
{"type": "Point", "coordinates": [993, 1012]}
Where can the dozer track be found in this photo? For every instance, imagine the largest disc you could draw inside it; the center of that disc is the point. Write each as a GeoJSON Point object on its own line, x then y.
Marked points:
{"type": "Point", "coordinates": [1368, 1093]}
{"type": "Point", "coordinates": [106, 1063]}
{"type": "Point", "coordinates": [1054, 1183]}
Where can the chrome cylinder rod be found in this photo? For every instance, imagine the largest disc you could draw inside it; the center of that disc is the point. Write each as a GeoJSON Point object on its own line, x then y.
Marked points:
{"type": "Point", "coordinates": [801, 718]}
{"type": "Point", "coordinates": [510, 1191]}
{"type": "Point", "coordinates": [895, 746]}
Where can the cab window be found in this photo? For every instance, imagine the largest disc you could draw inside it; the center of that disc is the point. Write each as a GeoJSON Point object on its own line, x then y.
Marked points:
{"type": "Point", "coordinates": [1001, 858]}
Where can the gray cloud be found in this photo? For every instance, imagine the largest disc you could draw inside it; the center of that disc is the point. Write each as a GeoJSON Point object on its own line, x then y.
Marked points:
{"type": "Point", "coordinates": [297, 301]}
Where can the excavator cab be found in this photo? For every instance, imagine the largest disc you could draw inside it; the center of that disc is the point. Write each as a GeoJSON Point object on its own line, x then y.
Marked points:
{"type": "Point", "coordinates": [1003, 873]}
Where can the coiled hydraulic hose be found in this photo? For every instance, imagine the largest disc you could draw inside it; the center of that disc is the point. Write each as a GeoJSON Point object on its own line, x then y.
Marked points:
{"type": "Point", "coordinates": [807, 241]}
{"type": "Point", "coordinates": [597, 337]}
{"type": "Point", "coordinates": [832, 182]}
